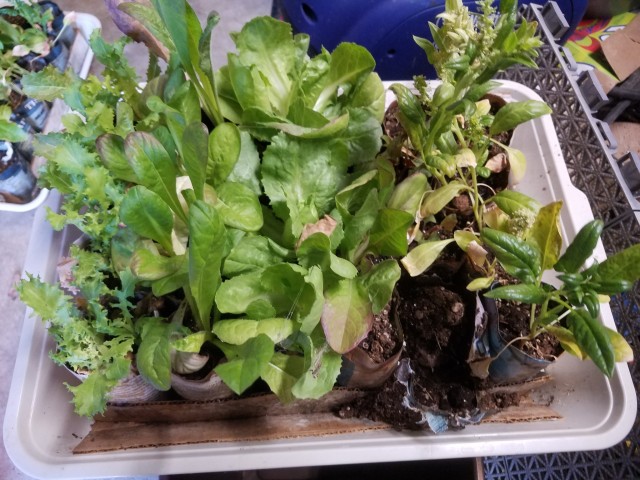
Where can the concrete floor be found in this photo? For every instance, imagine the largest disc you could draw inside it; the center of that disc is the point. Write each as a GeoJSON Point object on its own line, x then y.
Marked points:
{"type": "Point", "coordinates": [15, 228]}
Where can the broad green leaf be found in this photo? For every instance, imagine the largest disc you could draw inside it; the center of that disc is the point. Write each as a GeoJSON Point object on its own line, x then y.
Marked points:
{"type": "Point", "coordinates": [363, 136]}
{"type": "Point", "coordinates": [111, 150]}
{"type": "Point", "coordinates": [251, 88]}
{"type": "Point", "coordinates": [347, 316]}
{"type": "Point", "coordinates": [173, 282]}
{"type": "Point", "coordinates": [237, 294]}
{"type": "Point", "coordinates": [253, 253]}
{"type": "Point", "coordinates": [264, 125]}
{"type": "Point", "coordinates": [514, 113]}
{"type": "Point", "coordinates": [153, 359]}
{"type": "Point", "coordinates": [154, 168]}
{"type": "Point", "coordinates": [191, 343]}
{"type": "Point", "coordinates": [436, 200]}
{"type": "Point", "coordinates": [388, 236]}
{"type": "Point", "coordinates": [302, 178]}
{"type": "Point", "coordinates": [523, 293]}
{"type": "Point", "coordinates": [380, 282]}
{"type": "Point", "coordinates": [315, 250]}
{"type": "Point", "coordinates": [174, 17]}
{"type": "Point", "coordinates": [545, 234]}
{"type": "Point", "coordinates": [245, 170]}
{"type": "Point", "coordinates": [408, 194]}
{"type": "Point", "coordinates": [194, 156]}
{"type": "Point", "coordinates": [123, 244]}
{"type": "Point", "coordinates": [511, 201]}
{"type": "Point", "coordinates": [238, 331]}
{"type": "Point", "coordinates": [420, 258]}
{"type": "Point", "coordinates": [266, 45]}
{"type": "Point", "coordinates": [342, 267]}
{"type": "Point", "coordinates": [224, 151]}
{"type": "Point", "coordinates": [370, 95]}
{"type": "Point", "coordinates": [241, 371]}
{"type": "Point", "coordinates": [148, 215]}
{"type": "Point", "coordinates": [321, 376]}
{"type": "Point", "coordinates": [148, 265]}
{"type": "Point", "coordinates": [207, 240]}
{"type": "Point", "coordinates": [349, 66]}
{"type": "Point", "coordinates": [277, 291]}
{"type": "Point", "coordinates": [174, 120]}
{"type": "Point", "coordinates": [309, 317]}
{"type": "Point", "coordinates": [624, 265]}
{"type": "Point", "coordinates": [517, 257]}
{"type": "Point", "coordinates": [11, 132]}
{"type": "Point", "coordinates": [593, 339]}
{"type": "Point", "coordinates": [281, 373]}
{"type": "Point", "coordinates": [357, 228]}
{"type": "Point", "coordinates": [353, 196]}
{"type": "Point", "coordinates": [581, 248]}
{"type": "Point", "coordinates": [239, 207]}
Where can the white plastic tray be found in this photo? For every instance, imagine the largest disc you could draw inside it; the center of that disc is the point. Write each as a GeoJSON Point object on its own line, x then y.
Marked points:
{"type": "Point", "coordinates": [40, 428]}
{"type": "Point", "coordinates": [80, 59]}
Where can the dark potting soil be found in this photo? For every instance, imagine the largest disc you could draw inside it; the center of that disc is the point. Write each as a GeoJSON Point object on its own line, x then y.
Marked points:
{"type": "Point", "coordinates": [514, 323]}
{"type": "Point", "coordinates": [383, 340]}
{"type": "Point", "coordinates": [437, 320]}
{"type": "Point", "coordinates": [437, 323]}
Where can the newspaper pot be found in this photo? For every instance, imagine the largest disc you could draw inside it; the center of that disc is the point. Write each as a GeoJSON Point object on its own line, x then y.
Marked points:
{"type": "Point", "coordinates": [131, 389]}
{"type": "Point", "coordinates": [360, 370]}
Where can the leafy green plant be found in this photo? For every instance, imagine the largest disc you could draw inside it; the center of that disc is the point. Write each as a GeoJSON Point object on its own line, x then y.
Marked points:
{"type": "Point", "coordinates": [453, 129]}
{"type": "Point", "coordinates": [263, 252]}
{"type": "Point", "coordinates": [569, 307]}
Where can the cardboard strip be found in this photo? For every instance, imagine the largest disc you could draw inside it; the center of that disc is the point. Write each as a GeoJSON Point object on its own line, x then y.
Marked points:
{"type": "Point", "coordinates": [532, 413]}
{"type": "Point", "coordinates": [183, 411]}
{"type": "Point", "coordinates": [112, 436]}
{"type": "Point", "coordinates": [256, 418]}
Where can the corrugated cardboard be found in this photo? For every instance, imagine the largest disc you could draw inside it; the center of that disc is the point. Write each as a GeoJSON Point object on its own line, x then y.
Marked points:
{"type": "Point", "coordinates": [622, 49]}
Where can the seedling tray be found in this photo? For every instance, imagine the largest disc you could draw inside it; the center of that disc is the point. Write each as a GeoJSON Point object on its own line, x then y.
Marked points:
{"type": "Point", "coordinates": [41, 430]}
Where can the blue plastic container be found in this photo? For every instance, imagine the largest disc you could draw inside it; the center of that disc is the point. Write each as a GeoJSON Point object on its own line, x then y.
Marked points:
{"type": "Point", "coordinates": [384, 27]}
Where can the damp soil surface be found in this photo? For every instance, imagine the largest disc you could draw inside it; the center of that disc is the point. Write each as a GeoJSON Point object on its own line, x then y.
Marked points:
{"type": "Point", "coordinates": [437, 320]}
{"type": "Point", "coordinates": [383, 341]}
{"type": "Point", "coordinates": [514, 324]}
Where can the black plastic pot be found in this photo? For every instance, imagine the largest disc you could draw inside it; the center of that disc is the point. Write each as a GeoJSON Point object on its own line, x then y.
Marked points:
{"type": "Point", "coordinates": [506, 364]}
{"type": "Point", "coordinates": [32, 112]}
{"type": "Point", "coordinates": [17, 182]}
{"type": "Point", "coordinates": [57, 25]}
{"type": "Point", "coordinates": [58, 57]}
{"type": "Point", "coordinates": [25, 147]}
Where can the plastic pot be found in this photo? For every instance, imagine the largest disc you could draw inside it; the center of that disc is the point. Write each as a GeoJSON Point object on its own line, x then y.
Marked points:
{"type": "Point", "coordinates": [491, 357]}
{"type": "Point", "coordinates": [17, 182]}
